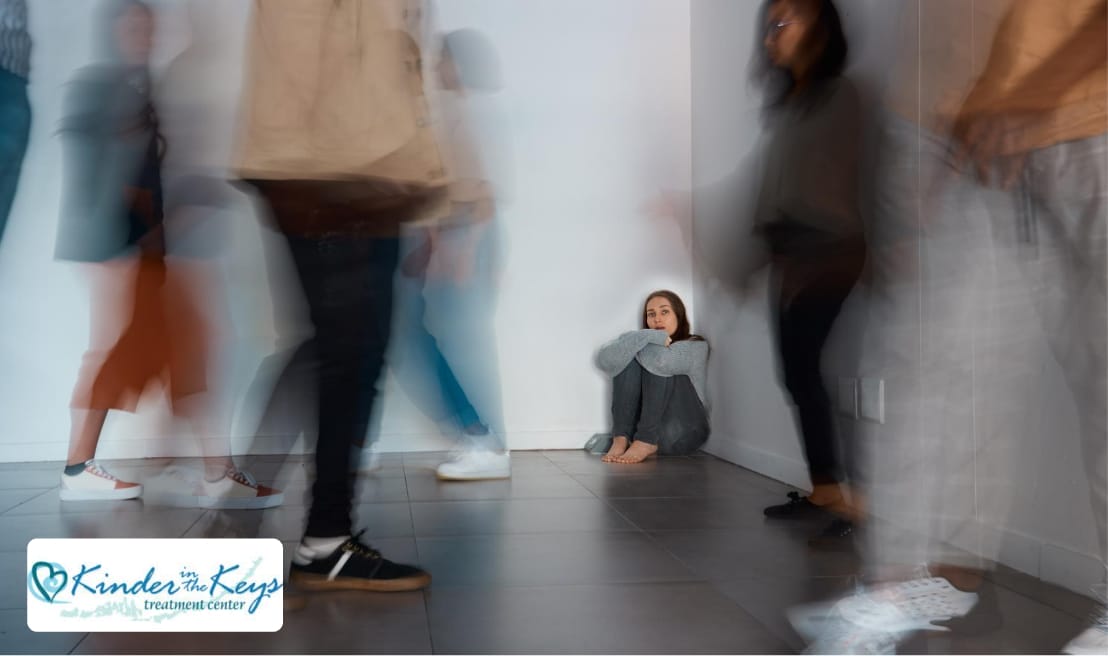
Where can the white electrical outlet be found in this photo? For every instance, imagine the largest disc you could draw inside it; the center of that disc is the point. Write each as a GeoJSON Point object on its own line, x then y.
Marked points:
{"type": "Point", "coordinates": [871, 399]}
{"type": "Point", "coordinates": [848, 397]}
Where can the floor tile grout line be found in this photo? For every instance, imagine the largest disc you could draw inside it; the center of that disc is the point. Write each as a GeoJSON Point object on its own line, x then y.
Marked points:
{"type": "Point", "coordinates": [74, 648]}
{"type": "Point", "coordinates": [26, 501]}
{"type": "Point", "coordinates": [419, 560]}
{"type": "Point", "coordinates": [197, 521]}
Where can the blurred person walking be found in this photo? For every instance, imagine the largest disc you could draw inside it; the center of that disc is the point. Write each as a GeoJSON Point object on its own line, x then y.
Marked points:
{"type": "Point", "coordinates": [1004, 201]}
{"type": "Point", "coordinates": [808, 217]}
{"type": "Point", "coordinates": [444, 345]}
{"type": "Point", "coordinates": [113, 220]}
{"type": "Point", "coordinates": [337, 140]}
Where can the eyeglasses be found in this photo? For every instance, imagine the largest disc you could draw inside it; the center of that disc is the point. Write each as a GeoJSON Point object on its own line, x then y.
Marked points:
{"type": "Point", "coordinates": [773, 29]}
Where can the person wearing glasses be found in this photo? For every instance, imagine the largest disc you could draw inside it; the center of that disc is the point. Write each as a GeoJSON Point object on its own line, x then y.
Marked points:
{"type": "Point", "coordinates": [807, 216]}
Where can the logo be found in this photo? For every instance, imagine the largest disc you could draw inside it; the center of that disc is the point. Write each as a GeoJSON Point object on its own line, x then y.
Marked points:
{"type": "Point", "coordinates": [155, 585]}
{"type": "Point", "coordinates": [46, 580]}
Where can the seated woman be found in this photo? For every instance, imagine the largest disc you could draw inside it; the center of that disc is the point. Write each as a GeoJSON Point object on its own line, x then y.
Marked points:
{"type": "Point", "coordinates": [658, 378]}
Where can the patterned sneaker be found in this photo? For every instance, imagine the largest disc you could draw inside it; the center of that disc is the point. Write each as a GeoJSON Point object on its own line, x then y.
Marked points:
{"type": "Point", "coordinates": [1093, 640]}
{"type": "Point", "coordinates": [875, 621]}
{"type": "Point", "coordinates": [237, 490]}
{"type": "Point", "coordinates": [96, 484]}
{"type": "Point", "coordinates": [354, 565]}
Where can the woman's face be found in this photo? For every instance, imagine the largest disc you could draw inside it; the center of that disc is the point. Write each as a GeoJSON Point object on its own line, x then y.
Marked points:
{"type": "Point", "coordinates": [787, 24]}
{"type": "Point", "coordinates": [134, 32]}
{"type": "Point", "coordinates": [660, 315]}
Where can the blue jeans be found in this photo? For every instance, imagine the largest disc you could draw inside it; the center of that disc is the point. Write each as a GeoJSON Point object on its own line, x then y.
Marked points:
{"type": "Point", "coordinates": [443, 350]}
{"type": "Point", "coordinates": [15, 130]}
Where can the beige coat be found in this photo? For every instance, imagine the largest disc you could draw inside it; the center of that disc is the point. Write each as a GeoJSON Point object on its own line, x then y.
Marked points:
{"type": "Point", "coordinates": [948, 46]}
{"type": "Point", "coordinates": [334, 91]}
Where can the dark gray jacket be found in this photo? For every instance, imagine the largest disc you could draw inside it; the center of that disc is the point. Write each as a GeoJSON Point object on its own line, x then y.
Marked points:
{"type": "Point", "coordinates": [111, 183]}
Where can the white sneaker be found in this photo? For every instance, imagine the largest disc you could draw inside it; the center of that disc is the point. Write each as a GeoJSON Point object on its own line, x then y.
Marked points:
{"type": "Point", "coordinates": [1093, 640]}
{"type": "Point", "coordinates": [237, 490]}
{"type": "Point", "coordinates": [476, 466]}
{"type": "Point", "coordinates": [875, 621]}
{"type": "Point", "coordinates": [370, 461]}
{"type": "Point", "coordinates": [96, 484]}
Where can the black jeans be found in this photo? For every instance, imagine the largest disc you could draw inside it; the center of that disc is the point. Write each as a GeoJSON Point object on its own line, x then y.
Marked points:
{"type": "Point", "coordinates": [347, 282]}
{"type": "Point", "coordinates": [803, 325]}
{"type": "Point", "coordinates": [661, 410]}
{"type": "Point", "coordinates": [344, 241]}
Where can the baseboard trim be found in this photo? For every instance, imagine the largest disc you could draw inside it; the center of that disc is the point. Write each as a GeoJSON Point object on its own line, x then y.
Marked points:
{"type": "Point", "coordinates": [776, 466]}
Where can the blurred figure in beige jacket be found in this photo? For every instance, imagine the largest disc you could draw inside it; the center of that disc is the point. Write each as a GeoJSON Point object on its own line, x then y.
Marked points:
{"type": "Point", "coordinates": [336, 139]}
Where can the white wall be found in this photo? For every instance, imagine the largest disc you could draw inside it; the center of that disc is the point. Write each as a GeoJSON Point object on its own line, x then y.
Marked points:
{"type": "Point", "coordinates": [599, 104]}
{"type": "Point", "coordinates": [1048, 532]}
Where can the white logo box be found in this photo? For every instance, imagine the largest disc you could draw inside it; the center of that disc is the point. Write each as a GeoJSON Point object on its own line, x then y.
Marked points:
{"type": "Point", "coordinates": [181, 585]}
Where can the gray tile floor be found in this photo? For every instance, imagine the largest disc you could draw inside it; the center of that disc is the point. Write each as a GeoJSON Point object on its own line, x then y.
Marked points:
{"type": "Point", "coordinates": [569, 556]}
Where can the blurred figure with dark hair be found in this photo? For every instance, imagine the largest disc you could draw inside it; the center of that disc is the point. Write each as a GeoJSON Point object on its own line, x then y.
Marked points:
{"type": "Point", "coordinates": [444, 347]}
{"type": "Point", "coordinates": [15, 109]}
{"type": "Point", "coordinates": [113, 219]}
{"type": "Point", "coordinates": [803, 223]}
{"type": "Point", "coordinates": [659, 375]}
{"type": "Point", "coordinates": [337, 140]}
{"type": "Point", "coordinates": [808, 216]}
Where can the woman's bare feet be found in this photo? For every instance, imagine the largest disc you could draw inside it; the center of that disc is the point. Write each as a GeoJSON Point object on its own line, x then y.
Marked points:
{"type": "Point", "coordinates": [619, 446]}
{"type": "Point", "coordinates": [636, 453]}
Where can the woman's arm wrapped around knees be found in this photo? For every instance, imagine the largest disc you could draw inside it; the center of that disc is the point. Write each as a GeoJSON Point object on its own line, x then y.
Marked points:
{"type": "Point", "coordinates": [614, 356]}
{"type": "Point", "coordinates": [680, 358]}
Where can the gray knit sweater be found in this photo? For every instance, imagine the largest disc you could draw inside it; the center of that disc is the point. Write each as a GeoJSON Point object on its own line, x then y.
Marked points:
{"type": "Point", "coordinates": [684, 358]}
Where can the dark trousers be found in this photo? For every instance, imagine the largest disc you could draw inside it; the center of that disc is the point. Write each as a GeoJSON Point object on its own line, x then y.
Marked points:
{"type": "Point", "coordinates": [347, 281]}
{"type": "Point", "coordinates": [343, 239]}
{"type": "Point", "coordinates": [15, 129]}
{"type": "Point", "coordinates": [803, 325]}
{"type": "Point", "coordinates": [661, 410]}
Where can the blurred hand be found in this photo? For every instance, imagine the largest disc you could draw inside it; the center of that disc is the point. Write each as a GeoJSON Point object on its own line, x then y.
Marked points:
{"type": "Point", "coordinates": [989, 141]}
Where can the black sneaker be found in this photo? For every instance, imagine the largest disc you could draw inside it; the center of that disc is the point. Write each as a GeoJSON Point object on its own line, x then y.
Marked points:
{"type": "Point", "coordinates": [836, 536]}
{"type": "Point", "coordinates": [357, 566]}
{"type": "Point", "coordinates": [798, 507]}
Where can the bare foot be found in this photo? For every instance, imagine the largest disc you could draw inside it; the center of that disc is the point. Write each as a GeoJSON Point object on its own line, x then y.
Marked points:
{"type": "Point", "coordinates": [637, 452]}
{"type": "Point", "coordinates": [619, 446]}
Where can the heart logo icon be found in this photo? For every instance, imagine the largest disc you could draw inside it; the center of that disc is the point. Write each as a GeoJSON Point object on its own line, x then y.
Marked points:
{"type": "Point", "coordinates": [48, 580]}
